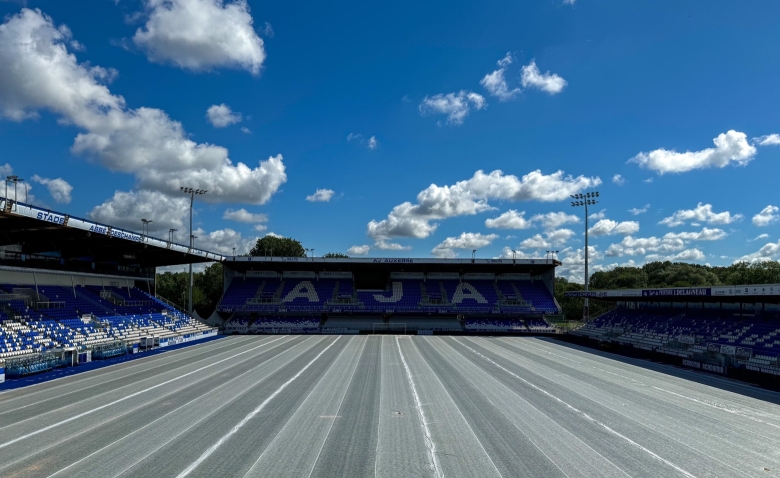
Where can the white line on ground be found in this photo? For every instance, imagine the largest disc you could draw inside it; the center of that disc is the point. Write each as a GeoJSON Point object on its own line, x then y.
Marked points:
{"type": "Point", "coordinates": [584, 415]}
{"type": "Point", "coordinates": [132, 395]}
{"type": "Point", "coordinates": [203, 417]}
{"type": "Point", "coordinates": [246, 419]}
{"type": "Point", "coordinates": [429, 443]}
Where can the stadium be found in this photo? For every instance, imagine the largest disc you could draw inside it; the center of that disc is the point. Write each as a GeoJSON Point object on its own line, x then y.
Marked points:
{"type": "Point", "coordinates": [367, 367]}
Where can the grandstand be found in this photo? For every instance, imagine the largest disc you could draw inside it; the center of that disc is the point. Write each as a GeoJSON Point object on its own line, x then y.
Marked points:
{"type": "Point", "coordinates": [72, 290]}
{"type": "Point", "coordinates": [730, 330]}
{"type": "Point", "coordinates": [314, 295]}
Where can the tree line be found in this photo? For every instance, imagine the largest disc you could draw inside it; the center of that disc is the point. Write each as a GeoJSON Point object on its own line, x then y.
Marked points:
{"type": "Point", "coordinates": [664, 274]}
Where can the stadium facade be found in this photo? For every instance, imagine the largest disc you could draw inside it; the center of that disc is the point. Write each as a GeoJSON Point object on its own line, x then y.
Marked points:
{"type": "Point", "coordinates": [339, 295]}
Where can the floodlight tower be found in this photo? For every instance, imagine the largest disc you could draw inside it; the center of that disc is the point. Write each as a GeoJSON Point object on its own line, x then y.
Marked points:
{"type": "Point", "coordinates": [586, 200]}
{"type": "Point", "coordinates": [192, 193]}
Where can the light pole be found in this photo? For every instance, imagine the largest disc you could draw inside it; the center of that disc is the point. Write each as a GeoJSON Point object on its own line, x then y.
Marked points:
{"type": "Point", "coordinates": [312, 254]}
{"type": "Point", "coordinates": [586, 200]}
{"type": "Point", "coordinates": [146, 229]}
{"type": "Point", "coordinates": [192, 193]}
{"type": "Point", "coordinates": [170, 234]}
{"type": "Point", "coordinates": [13, 179]}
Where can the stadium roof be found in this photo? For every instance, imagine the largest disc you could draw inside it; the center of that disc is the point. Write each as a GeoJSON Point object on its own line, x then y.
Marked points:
{"type": "Point", "coordinates": [724, 293]}
{"type": "Point", "coordinates": [35, 230]}
{"type": "Point", "coordinates": [532, 266]}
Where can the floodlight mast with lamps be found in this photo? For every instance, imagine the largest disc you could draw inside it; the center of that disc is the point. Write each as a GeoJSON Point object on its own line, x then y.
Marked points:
{"type": "Point", "coordinates": [192, 192]}
{"type": "Point", "coordinates": [586, 200]}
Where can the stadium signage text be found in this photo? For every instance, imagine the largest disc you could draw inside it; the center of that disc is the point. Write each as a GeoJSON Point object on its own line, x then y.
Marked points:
{"type": "Point", "coordinates": [704, 366]}
{"type": "Point", "coordinates": [49, 217]}
{"type": "Point", "coordinates": [395, 261]}
{"type": "Point", "coordinates": [703, 291]}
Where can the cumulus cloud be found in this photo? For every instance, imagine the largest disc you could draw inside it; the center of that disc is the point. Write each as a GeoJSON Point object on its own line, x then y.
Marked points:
{"type": "Point", "coordinates": [768, 140]}
{"type": "Point", "coordinates": [201, 35]}
{"type": "Point", "coordinates": [470, 197]}
{"type": "Point", "coordinates": [40, 73]}
{"type": "Point", "coordinates": [548, 82]}
{"type": "Point", "coordinates": [552, 238]}
{"type": "Point", "coordinates": [359, 250]}
{"type": "Point", "coordinates": [467, 240]}
{"type": "Point", "coordinates": [242, 215]}
{"type": "Point", "coordinates": [689, 255]}
{"type": "Point", "coordinates": [221, 116]}
{"type": "Point", "coordinates": [58, 188]}
{"type": "Point", "coordinates": [320, 195]}
{"type": "Point", "coordinates": [767, 216]}
{"type": "Point", "coordinates": [731, 146]}
{"type": "Point", "coordinates": [223, 241]}
{"type": "Point", "coordinates": [598, 215]}
{"type": "Point", "coordinates": [126, 209]}
{"type": "Point", "coordinates": [573, 263]}
{"type": "Point", "coordinates": [496, 84]}
{"type": "Point", "coordinates": [509, 220]}
{"type": "Point", "coordinates": [455, 105]}
{"type": "Point", "coordinates": [669, 243]}
{"type": "Point", "coordinates": [390, 246]}
{"type": "Point", "coordinates": [702, 213]}
{"type": "Point", "coordinates": [619, 180]}
{"type": "Point", "coordinates": [554, 220]}
{"type": "Point", "coordinates": [637, 211]}
{"type": "Point", "coordinates": [372, 143]}
{"type": "Point", "coordinates": [6, 169]}
{"type": "Point", "coordinates": [769, 252]}
{"type": "Point", "coordinates": [608, 227]}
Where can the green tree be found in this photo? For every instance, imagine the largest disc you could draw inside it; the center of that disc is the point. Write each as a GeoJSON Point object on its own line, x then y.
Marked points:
{"type": "Point", "coordinates": [278, 247]}
{"type": "Point", "coordinates": [209, 285]}
{"type": "Point", "coordinates": [335, 255]}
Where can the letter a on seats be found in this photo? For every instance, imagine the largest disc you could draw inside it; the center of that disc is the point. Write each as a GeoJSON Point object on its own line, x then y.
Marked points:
{"type": "Point", "coordinates": [298, 291]}
{"type": "Point", "coordinates": [467, 291]}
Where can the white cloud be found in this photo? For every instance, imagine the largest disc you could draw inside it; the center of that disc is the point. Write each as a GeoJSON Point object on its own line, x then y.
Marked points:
{"type": "Point", "coordinates": [669, 243]}
{"type": "Point", "coordinates": [729, 147]}
{"type": "Point", "coordinates": [6, 169]}
{"type": "Point", "coordinates": [608, 227]}
{"type": "Point", "coordinates": [648, 180]}
{"type": "Point", "coordinates": [759, 237]}
{"type": "Point", "coordinates": [391, 246]}
{"type": "Point", "coordinates": [548, 82]}
{"type": "Point", "coordinates": [509, 220]}
{"type": "Point", "coordinates": [767, 216]}
{"type": "Point", "coordinates": [273, 234]}
{"type": "Point", "coordinates": [573, 263]}
{"type": "Point", "coordinates": [619, 180]}
{"type": "Point", "coordinates": [768, 140]}
{"type": "Point", "coordinates": [554, 220]}
{"type": "Point", "coordinates": [246, 130]}
{"type": "Point", "coordinates": [223, 241]}
{"type": "Point", "coordinates": [552, 238]}
{"type": "Point", "coordinates": [496, 84]}
{"type": "Point", "coordinates": [705, 234]}
{"type": "Point", "coordinates": [126, 209]}
{"type": "Point", "coordinates": [320, 195]}
{"type": "Point", "coordinates": [354, 137]}
{"type": "Point", "coordinates": [467, 240]}
{"type": "Point", "coordinates": [372, 143]}
{"type": "Point", "coordinates": [637, 211]}
{"type": "Point", "coordinates": [145, 142]}
{"type": "Point", "coordinates": [455, 105]}
{"type": "Point", "coordinates": [221, 116]}
{"type": "Point", "coordinates": [259, 227]}
{"type": "Point", "coordinates": [242, 215]}
{"type": "Point", "coordinates": [702, 213]}
{"type": "Point", "coordinates": [770, 251]}
{"type": "Point", "coordinates": [470, 197]}
{"type": "Point", "coordinates": [598, 215]}
{"type": "Point", "coordinates": [690, 255]}
{"type": "Point", "coordinates": [268, 30]}
{"type": "Point", "coordinates": [201, 35]}
{"type": "Point", "coordinates": [358, 250]}
{"type": "Point", "coordinates": [58, 188]}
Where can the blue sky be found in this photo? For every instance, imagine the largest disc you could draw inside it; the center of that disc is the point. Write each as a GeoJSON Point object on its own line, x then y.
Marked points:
{"type": "Point", "coordinates": [104, 113]}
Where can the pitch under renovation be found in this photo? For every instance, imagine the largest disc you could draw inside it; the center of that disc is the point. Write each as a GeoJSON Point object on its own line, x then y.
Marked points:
{"type": "Point", "coordinates": [395, 406]}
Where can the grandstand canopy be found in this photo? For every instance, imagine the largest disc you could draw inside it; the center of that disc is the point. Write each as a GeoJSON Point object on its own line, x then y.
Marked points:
{"type": "Point", "coordinates": [766, 293]}
{"type": "Point", "coordinates": [317, 264]}
{"type": "Point", "coordinates": [35, 237]}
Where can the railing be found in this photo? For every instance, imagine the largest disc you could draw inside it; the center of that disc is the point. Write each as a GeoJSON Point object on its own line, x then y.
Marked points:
{"type": "Point", "coordinates": [170, 304]}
